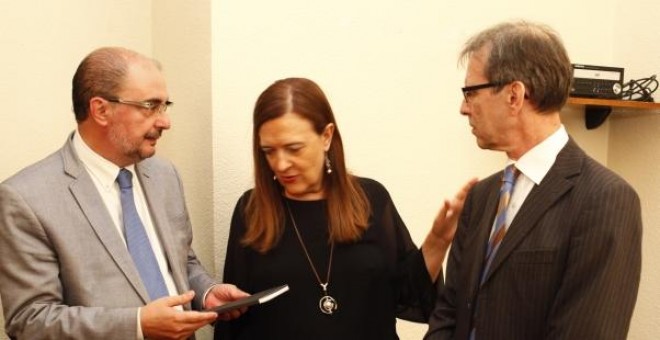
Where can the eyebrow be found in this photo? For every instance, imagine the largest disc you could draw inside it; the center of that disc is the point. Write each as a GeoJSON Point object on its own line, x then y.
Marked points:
{"type": "Point", "coordinates": [285, 145]}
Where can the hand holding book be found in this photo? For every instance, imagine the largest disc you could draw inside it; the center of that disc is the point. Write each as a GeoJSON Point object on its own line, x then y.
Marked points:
{"type": "Point", "coordinates": [254, 299]}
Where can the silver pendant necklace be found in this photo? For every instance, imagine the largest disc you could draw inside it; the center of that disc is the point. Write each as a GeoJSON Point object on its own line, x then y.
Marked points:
{"type": "Point", "coordinates": [327, 304]}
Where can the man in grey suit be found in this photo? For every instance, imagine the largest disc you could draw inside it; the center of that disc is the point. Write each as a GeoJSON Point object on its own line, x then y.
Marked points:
{"type": "Point", "coordinates": [565, 259]}
{"type": "Point", "coordinates": [65, 270]}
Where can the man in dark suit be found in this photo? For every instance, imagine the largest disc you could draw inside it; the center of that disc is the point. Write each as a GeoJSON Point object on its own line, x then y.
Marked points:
{"type": "Point", "coordinates": [563, 258]}
{"type": "Point", "coordinates": [83, 257]}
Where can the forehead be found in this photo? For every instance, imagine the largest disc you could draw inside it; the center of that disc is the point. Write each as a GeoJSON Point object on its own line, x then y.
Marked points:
{"type": "Point", "coordinates": [289, 128]}
{"type": "Point", "coordinates": [144, 80]}
{"type": "Point", "coordinates": [476, 67]}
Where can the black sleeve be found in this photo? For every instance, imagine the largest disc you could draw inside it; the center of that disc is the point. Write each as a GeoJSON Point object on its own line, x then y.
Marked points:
{"type": "Point", "coordinates": [415, 291]}
{"type": "Point", "coordinates": [235, 271]}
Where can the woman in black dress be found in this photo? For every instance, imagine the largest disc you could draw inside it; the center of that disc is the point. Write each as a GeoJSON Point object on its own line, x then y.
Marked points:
{"type": "Point", "coordinates": [336, 239]}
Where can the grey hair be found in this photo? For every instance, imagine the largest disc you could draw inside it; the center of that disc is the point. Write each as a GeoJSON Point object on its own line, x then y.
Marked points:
{"type": "Point", "coordinates": [528, 52]}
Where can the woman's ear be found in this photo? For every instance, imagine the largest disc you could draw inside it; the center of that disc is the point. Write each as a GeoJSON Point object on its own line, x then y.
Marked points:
{"type": "Point", "coordinates": [327, 134]}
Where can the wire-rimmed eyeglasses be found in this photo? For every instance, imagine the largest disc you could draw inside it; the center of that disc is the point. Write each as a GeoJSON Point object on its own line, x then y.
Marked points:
{"type": "Point", "coordinates": [154, 106]}
{"type": "Point", "coordinates": [470, 91]}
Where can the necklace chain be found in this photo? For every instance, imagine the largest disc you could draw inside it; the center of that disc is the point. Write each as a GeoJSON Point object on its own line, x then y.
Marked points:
{"type": "Point", "coordinates": [324, 286]}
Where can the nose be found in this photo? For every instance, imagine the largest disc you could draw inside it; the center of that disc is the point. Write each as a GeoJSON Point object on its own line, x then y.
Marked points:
{"type": "Point", "coordinates": [163, 121]}
{"type": "Point", "coordinates": [280, 162]}
{"type": "Point", "coordinates": [466, 108]}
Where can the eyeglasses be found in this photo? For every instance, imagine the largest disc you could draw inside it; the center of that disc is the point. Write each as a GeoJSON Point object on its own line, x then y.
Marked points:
{"type": "Point", "coordinates": [154, 106]}
{"type": "Point", "coordinates": [470, 91]}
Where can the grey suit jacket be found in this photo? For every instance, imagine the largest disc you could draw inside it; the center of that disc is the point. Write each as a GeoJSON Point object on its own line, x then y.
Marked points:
{"type": "Point", "coordinates": [568, 267]}
{"type": "Point", "coordinates": [64, 271]}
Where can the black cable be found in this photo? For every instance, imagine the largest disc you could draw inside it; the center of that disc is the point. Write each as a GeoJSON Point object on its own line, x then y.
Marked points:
{"type": "Point", "coordinates": [640, 89]}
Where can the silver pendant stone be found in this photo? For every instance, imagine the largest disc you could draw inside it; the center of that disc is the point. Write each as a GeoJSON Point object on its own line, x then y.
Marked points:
{"type": "Point", "coordinates": [328, 304]}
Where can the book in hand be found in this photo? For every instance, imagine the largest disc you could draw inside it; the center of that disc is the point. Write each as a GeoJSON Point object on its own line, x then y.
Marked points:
{"type": "Point", "coordinates": [254, 299]}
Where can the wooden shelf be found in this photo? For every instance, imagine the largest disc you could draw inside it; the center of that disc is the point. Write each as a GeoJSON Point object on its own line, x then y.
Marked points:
{"type": "Point", "coordinates": [596, 111]}
{"type": "Point", "coordinates": [614, 103]}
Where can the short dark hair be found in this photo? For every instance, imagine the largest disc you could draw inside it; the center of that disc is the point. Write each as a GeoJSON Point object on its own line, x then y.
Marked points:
{"type": "Point", "coordinates": [528, 52]}
{"type": "Point", "coordinates": [101, 74]}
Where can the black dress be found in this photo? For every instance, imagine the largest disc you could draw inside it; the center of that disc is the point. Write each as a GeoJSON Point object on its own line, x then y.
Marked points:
{"type": "Point", "coordinates": [374, 280]}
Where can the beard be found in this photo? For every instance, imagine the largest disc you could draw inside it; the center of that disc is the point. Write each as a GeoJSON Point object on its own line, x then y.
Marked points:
{"type": "Point", "coordinates": [132, 149]}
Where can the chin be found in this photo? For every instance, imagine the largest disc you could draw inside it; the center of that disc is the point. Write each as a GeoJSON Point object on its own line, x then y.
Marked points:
{"type": "Point", "coordinates": [291, 191]}
{"type": "Point", "coordinates": [144, 154]}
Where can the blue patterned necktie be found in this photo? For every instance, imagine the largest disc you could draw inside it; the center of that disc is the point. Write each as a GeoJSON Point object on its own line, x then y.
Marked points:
{"type": "Point", "coordinates": [499, 228]}
{"type": "Point", "coordinates": [137, 241]}
{"type": "Point", "coordinates": [508, 181]}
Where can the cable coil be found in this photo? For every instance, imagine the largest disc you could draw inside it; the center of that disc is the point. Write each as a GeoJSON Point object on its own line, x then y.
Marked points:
{"type": "Point", "coordinates": [640, 89]}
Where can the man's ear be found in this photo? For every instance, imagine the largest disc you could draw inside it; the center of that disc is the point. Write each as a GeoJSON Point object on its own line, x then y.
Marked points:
{"type": "Point", "coordinates": [327, 134]}
{"type": "Point", "coordinates": [99, 110]}
{"type": "Point", "coordinates": [517, 94]}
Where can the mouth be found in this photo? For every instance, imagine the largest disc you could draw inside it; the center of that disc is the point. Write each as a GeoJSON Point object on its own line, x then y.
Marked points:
{"type": "Point", "coordinates": [287, 179]}
{"type": "Point", "coordinates": [153, 136]}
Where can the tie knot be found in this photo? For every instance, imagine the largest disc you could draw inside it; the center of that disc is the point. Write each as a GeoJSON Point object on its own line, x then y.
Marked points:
{"type": "Point", "coordinates": [510, 174]}
{"type": "Point", "coordinates": [125, 179]}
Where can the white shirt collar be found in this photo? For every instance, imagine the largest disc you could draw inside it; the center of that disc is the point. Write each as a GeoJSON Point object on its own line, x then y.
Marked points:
{"type": "Point", "coordinates": [104, 171]}
{"type": "Point", "coordinates": [536, 162]}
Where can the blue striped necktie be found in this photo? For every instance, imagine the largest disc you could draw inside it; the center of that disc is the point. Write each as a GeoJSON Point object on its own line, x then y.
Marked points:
{"type": "Point", "coordinates": [499, 225]}
{"type": "Point", "coordinates": [137, 240]}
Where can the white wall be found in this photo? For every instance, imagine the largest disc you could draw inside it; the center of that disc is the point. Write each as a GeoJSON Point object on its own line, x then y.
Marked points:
{"type": "Point", "coordinates": [182, 42]}
{"type": "Point", "coordinates": [634, 150]}
{"type": "Point", "coordinates": [42, 45]}
{"type": "Point", "coordinates": [389, 68]}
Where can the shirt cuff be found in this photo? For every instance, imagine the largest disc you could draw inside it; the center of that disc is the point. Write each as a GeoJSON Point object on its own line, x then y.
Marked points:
{"type": "Point", "coordinates": [206, 293]}
{"type": "Point", "coordinates": [140, 336]}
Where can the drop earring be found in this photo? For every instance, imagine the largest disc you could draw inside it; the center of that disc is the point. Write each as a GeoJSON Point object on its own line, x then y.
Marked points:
{"type": "Point", "coordinates": [274, 177]}
{"type": "Point", "coordinates": [328, 168]}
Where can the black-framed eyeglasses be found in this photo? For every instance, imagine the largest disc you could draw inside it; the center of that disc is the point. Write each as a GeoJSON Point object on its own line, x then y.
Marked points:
{"type": "Point", "coordinates": [154, 106]}
{"type": "Point", "coordinates": [470, 91]}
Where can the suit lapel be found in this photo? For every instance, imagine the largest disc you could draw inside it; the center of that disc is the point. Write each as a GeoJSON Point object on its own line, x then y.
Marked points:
{"type": "Point", "coordinates": [155, 195]}
{"type": "Point", "coordinates": [86, 195]}
{"type": "Point", "coordinates": [556, 183]}
{"type": "Point", "coordinates": [482, 233]}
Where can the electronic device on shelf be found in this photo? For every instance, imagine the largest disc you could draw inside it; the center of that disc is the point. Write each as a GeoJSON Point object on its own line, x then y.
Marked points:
{"type": "Point", "coordinates": [597, 81]}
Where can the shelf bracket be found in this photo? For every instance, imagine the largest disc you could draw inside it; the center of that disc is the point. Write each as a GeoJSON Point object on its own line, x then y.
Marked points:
{"type": "Point", "coordinates": [595, 115]}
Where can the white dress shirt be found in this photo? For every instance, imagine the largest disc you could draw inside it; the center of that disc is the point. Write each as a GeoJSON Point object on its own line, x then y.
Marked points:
{"type": "Point", "coordinates": [534, 166]}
